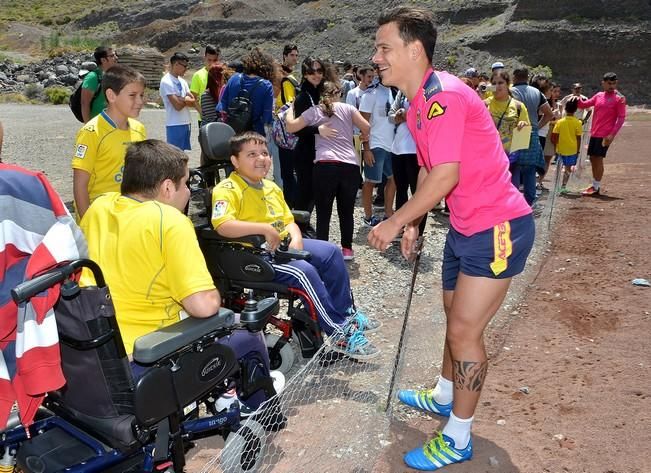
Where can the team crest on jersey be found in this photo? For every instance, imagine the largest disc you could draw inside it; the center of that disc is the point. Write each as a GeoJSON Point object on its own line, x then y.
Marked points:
{"type": "Point", "coordinates": [80, 152]}
{"type": "Point", "coordinates": [219, 210]}
{"type": "Point", "coordinates": [436, 110]}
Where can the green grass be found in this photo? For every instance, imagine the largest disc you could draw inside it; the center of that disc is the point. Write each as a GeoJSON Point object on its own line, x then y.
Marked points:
{"type": "Point", "coordinates": [49, 12]}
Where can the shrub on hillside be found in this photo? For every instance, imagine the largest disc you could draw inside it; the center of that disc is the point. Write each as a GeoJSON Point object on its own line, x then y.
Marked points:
{"type": "Point", "coordinates": [57, 95]}
{"type": "Point", "coordinates": [34, 91]}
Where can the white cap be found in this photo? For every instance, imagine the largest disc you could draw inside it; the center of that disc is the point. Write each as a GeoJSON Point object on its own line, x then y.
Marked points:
{"type": "Point", "coordinates": [497, 65]}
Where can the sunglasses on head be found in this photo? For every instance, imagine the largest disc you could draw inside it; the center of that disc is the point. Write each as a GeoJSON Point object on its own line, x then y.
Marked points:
{"type": "Point", "coordinates": [318, 70]}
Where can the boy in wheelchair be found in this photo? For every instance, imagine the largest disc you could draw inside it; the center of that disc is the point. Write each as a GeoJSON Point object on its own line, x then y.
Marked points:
{"type": "Point", "coordinates": [248, 204]}
{"type": "Point", "coordinates": [150, 256]}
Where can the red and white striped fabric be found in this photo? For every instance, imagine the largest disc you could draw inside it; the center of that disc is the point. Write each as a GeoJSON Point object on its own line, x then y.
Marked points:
{"type": "Point", "coordinates": [36, 233]}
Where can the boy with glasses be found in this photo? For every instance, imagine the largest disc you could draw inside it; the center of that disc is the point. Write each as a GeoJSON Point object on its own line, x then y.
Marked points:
{"type": "Point", "coordinates": [178, 100]}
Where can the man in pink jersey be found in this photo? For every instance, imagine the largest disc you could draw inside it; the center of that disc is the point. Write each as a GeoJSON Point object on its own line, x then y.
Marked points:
{"type": "Point", "coordinates": [607, 119]}
{"type": "Point", "coordinates": [492, 229]}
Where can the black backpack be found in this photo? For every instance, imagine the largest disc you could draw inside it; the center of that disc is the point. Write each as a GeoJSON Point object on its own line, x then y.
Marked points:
{"type": "Point", "coordinates": [239, 114]}
{"type": "Point", "coordinates": [75, 99]}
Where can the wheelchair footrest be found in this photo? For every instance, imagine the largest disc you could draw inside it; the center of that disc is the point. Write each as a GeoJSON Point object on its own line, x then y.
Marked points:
{"type": "Point", "coordinates": [51, 451]}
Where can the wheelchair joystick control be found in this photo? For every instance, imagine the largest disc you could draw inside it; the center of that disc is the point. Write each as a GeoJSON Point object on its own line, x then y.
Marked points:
{"type": "Point", "coordinates": [284, 244]}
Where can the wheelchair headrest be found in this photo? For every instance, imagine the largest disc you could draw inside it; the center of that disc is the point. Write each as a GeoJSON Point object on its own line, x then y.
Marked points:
{"type": "Point", "coordinates": [213, 139]}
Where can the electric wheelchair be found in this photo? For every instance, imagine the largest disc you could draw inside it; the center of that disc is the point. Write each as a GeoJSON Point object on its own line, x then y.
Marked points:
{"type": "Point", "coordinates": [240, 268]}
{"type": "Point", "coordinates": [104, 420]}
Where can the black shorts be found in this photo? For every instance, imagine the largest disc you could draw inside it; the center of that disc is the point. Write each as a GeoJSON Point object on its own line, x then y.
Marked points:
{"type": "Point", "coordinates": [596, 148]}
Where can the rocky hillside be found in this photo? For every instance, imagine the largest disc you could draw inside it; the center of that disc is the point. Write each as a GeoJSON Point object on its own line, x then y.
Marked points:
{"type": "Point", "coordinates": [579, 40]}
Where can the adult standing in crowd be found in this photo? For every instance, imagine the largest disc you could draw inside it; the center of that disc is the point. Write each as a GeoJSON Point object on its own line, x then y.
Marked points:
{"type": "Point", "coordinates": [199, 80]}
{"type": "Point", "coordinates": [93, 100]}
{"type": "Point", "coordinates": [375, 106]}
{"type": "Point", "coordinates": [178, 100]}
{"type": "Point", "coordinates": [552, 92]}
{"type": "Point", "coordinates": [608, 118]}
{"type": "Point", "coordinates": [289, 88]}
{"type": "Point", "coordinates": [492, 230]}
{"type": "Point", "coordinates": [336, 167]}
{"type": "Point", "coordinates": [530, 160]}
{"type": "Point", "coordinates": [582, 114]}
{"type": "Point", "coordinates": [403, 155]}
{"type": "Point", "coordinates": [255, 79]}
{"type": "Point", "coordinates": [314, 75]}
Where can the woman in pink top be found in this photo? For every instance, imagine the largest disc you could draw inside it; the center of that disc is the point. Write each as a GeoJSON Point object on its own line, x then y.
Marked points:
{"type": "Point", "coordinates": [492, 229]}
{"type": "Point", "coordinates": [336, 166]}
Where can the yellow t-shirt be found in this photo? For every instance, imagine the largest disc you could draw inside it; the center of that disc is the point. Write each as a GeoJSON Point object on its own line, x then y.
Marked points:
{"type": "Point", "coordinates": [151, 260]}
{"type": "Point", "coordinates": [288, 91]}
{"type": "Point", "coordinates": [568, 129]}
{"type": "Point", "coordinates": [100, 150]}
{"type": "Point", "coordinates": [199, 83]}
{"type": "Point", "coordinates": [510, 111]}
{"type": "Point", "coordinates": [235, 199]}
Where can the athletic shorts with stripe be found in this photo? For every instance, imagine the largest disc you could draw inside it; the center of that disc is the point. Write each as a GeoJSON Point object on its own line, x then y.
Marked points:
{"type": "Point", "coordinates": [499, 252]}
{"type": "Point", "coordinates": [324, 278]}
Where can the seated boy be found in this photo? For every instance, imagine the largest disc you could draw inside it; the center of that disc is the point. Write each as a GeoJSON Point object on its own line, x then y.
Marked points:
{"type": "Point", "coordinates": [248, 204]}
{"type": "Point", "coordinates": [566, 135]}
{"type": "Point", "coordinates": [149, 253]}
{"type": "Point", "coordinates": [102, 142]}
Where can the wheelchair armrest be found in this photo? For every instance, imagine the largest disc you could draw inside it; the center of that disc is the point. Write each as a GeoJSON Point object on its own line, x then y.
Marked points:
{"type": "Point", "coordinates": [283, 256]}
{"type": "Point", "coordinates": [209, 233]}
{"type": "Point", "coordinates": [165, 341]}
{"type": "Point", "coordinates": [301, 216]}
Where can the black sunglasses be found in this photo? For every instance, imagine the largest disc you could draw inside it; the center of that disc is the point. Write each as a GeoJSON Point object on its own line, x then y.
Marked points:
{"type": "Point", "coordinates": [318, 70]}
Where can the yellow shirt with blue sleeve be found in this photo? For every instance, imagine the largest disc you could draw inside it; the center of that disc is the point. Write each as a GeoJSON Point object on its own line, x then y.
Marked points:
{"type": "Point", "coordinates": [100, 149]}
{"type": "Point", "coordinates": [568, 129]}
{"type": "Point", "coordinates": [151, 260]}
{"type": "Point", "coordinates": [236, 199]}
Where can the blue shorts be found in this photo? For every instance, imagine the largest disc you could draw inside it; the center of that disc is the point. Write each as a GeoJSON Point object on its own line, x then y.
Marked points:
{"type": "Point", "coordinates": [569, 160]}
{"type": "Point", "coordinates": [382, 166]}
{"type": "Point", "coordinates": [179, 136]}
{"type": "Point", "coordinates": [497, 253]}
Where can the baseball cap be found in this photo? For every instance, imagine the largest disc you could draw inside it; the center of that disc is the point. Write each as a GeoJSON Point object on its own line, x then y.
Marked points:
{"type": "Point", "coordinates": [497, 65]}
{"type": "Point", "coordinates": [471, 72]}
{"type": "Point", "coordinates": [610, 76]}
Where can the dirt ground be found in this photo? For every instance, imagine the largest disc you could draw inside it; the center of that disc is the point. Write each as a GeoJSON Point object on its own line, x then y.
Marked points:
{"type": "Point", "coordinates": [569, 386]}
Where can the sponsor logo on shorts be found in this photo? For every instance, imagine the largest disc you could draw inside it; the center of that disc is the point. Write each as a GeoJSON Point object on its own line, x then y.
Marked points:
{"type": "Point", "coordinates": [80, 152]}
{"type": "Point", "coordinates": [502, 247]}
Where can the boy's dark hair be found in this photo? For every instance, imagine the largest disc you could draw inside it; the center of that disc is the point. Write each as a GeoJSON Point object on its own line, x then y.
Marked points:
{"type": "Point", "coordinates": [571, 106]}
{"type": "Point", "coordinates": [178, 57]}
{"type": "Point", "coordinates": [521, 74]}
{"type": "Point", "coordinates": [362, 71]}
{"type": "Point", "coordinates": [609, 76]}
{"type": "Point", "coordinates": [259, 63]}
{"type": "Point", "coordinates": [101, 52]}
{"type": "Point", "coordinates": [413, 24]}
{"type": "Point", "coordinates": [238, 141]}
{"type": "Point", "coordinates": [288, 49]}
{"type": "Point", "coordinates": [347, 66]}
{"type": "Point", "coordinates": [148, 163]}
{"type": "Point", "coordinates": [211, 49]}
{"type": "Point", "coordinates": [483, 76]}
{"type": "Point", "coordinates": [118, 77]}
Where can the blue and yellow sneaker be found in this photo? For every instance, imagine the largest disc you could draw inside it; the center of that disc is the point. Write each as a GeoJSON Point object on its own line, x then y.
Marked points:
{"type": "Point", "coordinates": [437, 453]}
{"type": "Point", "coordinates": [424, 399]}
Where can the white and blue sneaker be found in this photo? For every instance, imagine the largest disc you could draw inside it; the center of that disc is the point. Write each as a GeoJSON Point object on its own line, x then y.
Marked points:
{"type": "Point", "coordinates": [423, 399]}
{"type": "Point", "coordinates": [437, 453]}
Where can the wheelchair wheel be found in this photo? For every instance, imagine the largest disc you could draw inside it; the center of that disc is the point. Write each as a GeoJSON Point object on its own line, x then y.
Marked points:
{"type": "Point", "coordinates": [281, 360]}
{"type": "Point", "coordinates": [245, 449]}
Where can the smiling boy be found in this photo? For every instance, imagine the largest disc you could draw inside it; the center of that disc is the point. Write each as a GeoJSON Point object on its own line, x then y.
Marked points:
{"type": "Point", "coordinates": [101, 143]}
{"type": "Point", "coordinates": [248, 204]}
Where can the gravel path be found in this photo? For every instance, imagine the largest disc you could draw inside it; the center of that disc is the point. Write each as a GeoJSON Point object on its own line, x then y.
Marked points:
{"type": "Point", "coordinates": [42, 137]}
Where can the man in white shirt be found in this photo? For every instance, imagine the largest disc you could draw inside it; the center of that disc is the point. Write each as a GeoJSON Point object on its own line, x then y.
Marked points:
{"type": "Point", "coordinates": [178, 100]}
{"type": "Point", "coordinates": [374, 106]}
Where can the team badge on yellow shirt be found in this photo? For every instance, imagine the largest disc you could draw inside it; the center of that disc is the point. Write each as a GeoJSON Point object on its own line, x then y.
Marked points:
{"type": "Point", "coordinates": [81, 151]}
{"type": "Point", "coordinates": [219, 210]}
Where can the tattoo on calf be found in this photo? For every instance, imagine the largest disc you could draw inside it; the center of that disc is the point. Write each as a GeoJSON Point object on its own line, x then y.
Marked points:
{"type": "Point", "coordinates": [470, 375]}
